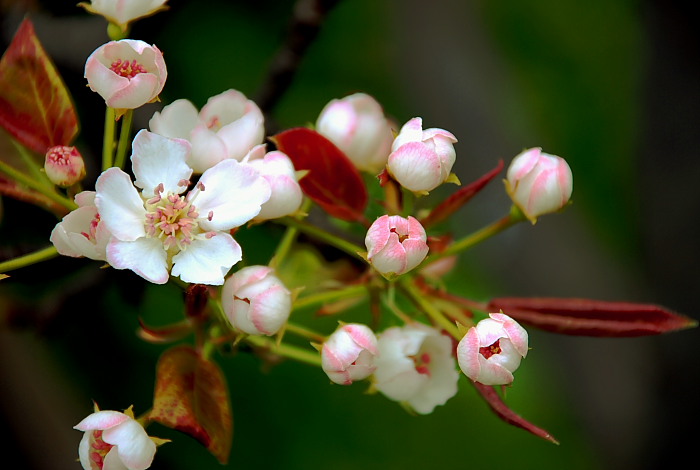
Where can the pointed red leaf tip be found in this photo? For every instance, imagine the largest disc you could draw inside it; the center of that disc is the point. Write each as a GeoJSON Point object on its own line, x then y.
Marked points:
{"type": "Point", "coordinates": [191, 396]}
{"type": "Point", "coordinates": [509, 416]}
{"type": "Point", "coordinates": [460, 197]}
{"type": "Point", "coordinates": [333, 182]}
{"type": "Point", "coordinates": [586, 317]}
{"type": "Point", "coordinates": [35, 105]}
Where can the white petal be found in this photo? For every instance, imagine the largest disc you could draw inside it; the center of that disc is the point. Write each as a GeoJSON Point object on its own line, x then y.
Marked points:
{"type": "Point", "coordinates": [112, 461]}
{"type": "Point", "coordinates": [234, 194]}
{"type": "Point", "coordinates": [135, 448]}
{"type": "Point", "coordinates": [120, 206]}
{"type": "Point", "coordinates": [67, 236]}
{"type": "Point", "coordinates": [145, 256]}
{"type": "Point", "coordinates": [206, 261]}
{"type": "Point", "coordinates": [157, 159]}
{"type": "Point", "coordinates": [207, 149]}
{"type": "Point", "coordinates": [176, 120]}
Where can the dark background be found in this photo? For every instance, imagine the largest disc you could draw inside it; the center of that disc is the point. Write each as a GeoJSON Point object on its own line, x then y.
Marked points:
{"type": "Point", "coordinates": [612, 86]}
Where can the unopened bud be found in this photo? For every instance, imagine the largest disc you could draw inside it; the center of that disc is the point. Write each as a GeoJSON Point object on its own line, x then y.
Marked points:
{"type": "Point", "coordinates": [64, 165]}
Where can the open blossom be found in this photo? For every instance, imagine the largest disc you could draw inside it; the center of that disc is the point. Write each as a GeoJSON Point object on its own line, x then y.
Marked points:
{"type": "Point", "coordinates": [539, 183]}
{"type": "Point", "coordinates": [421, 160]}
{"type": "Point", "coordinates": [395, 245]}
{"type": "Point", "coordinates": [64, 165]}
{"type": "Point", "coordinates": [492, 350]}
{"type": "Point", "coordinates": [256, 301]}
{"type": "Point", "coordinates": [356, 125]}
{"type": "Point", "coordinates": [415, 365]}
{"type": "Point", "coordinates": [81, 233]}
{"type": "Point", "coordinates": [114, 441]}
{"type": "Point", "coordinates": [278, 170]}
{"type": "Point", "coordinates": [228, 126]}
{"type": "Point", "coordinates": [348, 354]}
{"type": "Point", "coordinates": [127, 73]}
{"type": "Point", "coordinates": [123, 12]}
{"type": "Point", "coordinates": [158, 229]}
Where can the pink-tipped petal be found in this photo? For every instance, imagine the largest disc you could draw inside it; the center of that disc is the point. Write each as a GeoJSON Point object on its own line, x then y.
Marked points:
{"type": "Point", "coordinates": [206, 261]}
{"type": "Point", "coordinates": [157, 159]}
{"type": "Point", "coordinates": [120, 205]}
{"type": "Point", "coordinates": [144, 256]}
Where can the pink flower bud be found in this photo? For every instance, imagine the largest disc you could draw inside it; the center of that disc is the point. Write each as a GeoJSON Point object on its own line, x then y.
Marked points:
{"type": "Point", "coordinates": [255, 301]}
{"type": "Point", "coordinates": [123, 12]}
{"type": "Point", "coordinates": [539, 183]}
{"type": "Point", "coordinates": [228, 126]}
{"type": "Point", "coordinates": [348, 354]}
{"type": "Point", "coordinates": [278, 171]}
{"type": "Point", "coordinates": [421, 160]}
{"type": "Point", "coordinates": [357, 126]}
{"type": "Point", "coordinates": [114, 440]}
{"type": "Point", "coordinates": [64, 165]}
{"type": "Point", "coordinates": [127, 73]}
{"type": "Point", "coordinates": [491, 351]}
{"type": "Point", "coordinates": [395, 245]}
{"type": "Point", "coordinates": [415, 365]}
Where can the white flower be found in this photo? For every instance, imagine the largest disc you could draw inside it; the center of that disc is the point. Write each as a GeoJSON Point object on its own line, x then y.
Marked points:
{"type": "Point", "coordinates": [123, 12]}
{"type": "Point", "coordinates": [228, 126]}
{"type": "Point", "coordinates": [114, 441]}
{"type": "Point", "coordinates": [348, 354]}
{"type": "Point", "coordinates": [81, 232]}
{"type": "Point", "coordinates": [415, 365]}
{"type": "Point", "coordinates": [158, 229]}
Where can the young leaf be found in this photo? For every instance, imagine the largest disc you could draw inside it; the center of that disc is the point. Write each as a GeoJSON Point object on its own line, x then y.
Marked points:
{"type": "Point", "coordinates": [509, 416]}
{"type": "Point", "coordinates": [333, 182]}
{"type": "Point", "coordinates": [35, 106]}
{"type": "Point", "coordinates": [191, 396]}
{"type": "Point", "coordinates": [460, 197]}
{"type": "Point", "coordinates": [588, 317]}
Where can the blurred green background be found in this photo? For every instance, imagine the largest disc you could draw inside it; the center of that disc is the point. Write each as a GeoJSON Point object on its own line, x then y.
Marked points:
{"type": "Point", "coordinates": [612, 86]}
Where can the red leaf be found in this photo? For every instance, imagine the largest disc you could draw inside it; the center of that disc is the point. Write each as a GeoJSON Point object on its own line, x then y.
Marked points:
{"type": "Point", "coordinates": [35, 106]}
{"type": "Point", "coordinates": [447, 207]}
{"type": "Point", "coordinates": [592, 317]}
{"type": "Point", "coordinates": [333, 182]}
{"type": "Point", "coordinates": [191, 396]}
{"type": "Point", "coordinates": [509, 416]}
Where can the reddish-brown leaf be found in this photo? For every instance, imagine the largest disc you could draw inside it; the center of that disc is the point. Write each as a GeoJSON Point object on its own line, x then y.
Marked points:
{"type": "Point", "coordinates": [588, 317]}
{"type": "Point", "coordinates": [333, 182]}
{"type": "Point", "coordinates": [460, 197]}
{"type": "Point", "coordinates": [191, 396]}
{"type": "Point", "coordinates": [509, 416]}
{"type": "Point", "coordinates": [35, 106]}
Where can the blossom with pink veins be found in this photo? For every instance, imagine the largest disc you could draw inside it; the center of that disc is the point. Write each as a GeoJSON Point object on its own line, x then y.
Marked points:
{"type": "Point", "coordinates": [348, 354]}
{"type": "Point", "coordinates": [158, 230]}
{"type": "Point", "coordinates": [127, 73]}
{"type": "Point", "coordinates": [492, 350]}
{"type": "Point", "coordinates": [395, 244]}
{"type": "Point", "coordinates": [228, 126]}
{"type": "Point", "coordinates": [414, 364]}
{"type": "Point", "coordinates": [114, 441]}
{"type": "Point", "coordinates": [81, 232]}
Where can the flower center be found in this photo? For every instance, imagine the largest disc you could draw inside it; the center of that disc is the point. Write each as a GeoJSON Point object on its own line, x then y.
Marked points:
{"type": "Point", "coordinates": [128, 69]}
{"type": "Point", "coordinates": [488, 351]}
{"type": "Point", "coordinates": [214, 123]}
{"type": "Point", "coordinates": [172, 218]}
{"type": "Point", "coordinates": [60, 155]}
{"type": "Point", "coordinates": [421, 363]}
{"type": "Point", "coordinates": [92, 236]}
{"type": "Point", "coordinates": [401, 237]}
{"type": "Point", "coordinates": [98, 449]}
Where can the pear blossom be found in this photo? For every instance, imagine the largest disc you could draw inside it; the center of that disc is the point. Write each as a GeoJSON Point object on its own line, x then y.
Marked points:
{"type": "Point", "coordinates": [64, 165]}
{"type": "Point", "coordinates": [158, 230]}
{"type": "Point", "coordinates": [356, 125]}
{"type": "Point", "coordinates": [256, 301]}
{"type": "Point", "coordinates": [228, 126]}
{"type": "Point", "coordinates": [348, 354]}
{"type": "Point", "coordinates": [126, 73]}
{"type": "Point", "coordinates": [492, 350]}
{"type": "Point", "coordinates": [114, 441]}
{"type": "Point", "coordinates": [414, 364]}
{"type": "Point", "coordinates": [123, 12]}
{"type": "Point", "coordinates": [81, 232]}
{"type": "Point", "coordinates": [539, 183]}
{"type": "Point", "coordinates": [278, 170]}
{"type": "Point", "coordinates": [421, 160]}
{"type": "Point", "coordinates": [395, 245]}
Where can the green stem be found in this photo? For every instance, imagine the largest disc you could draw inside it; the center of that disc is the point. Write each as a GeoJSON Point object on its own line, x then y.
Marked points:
{"type": "Point", "coordinates": [124, 136]}
{"type": "Point", "coordinates": [329, 296]}
{"type": "Point", "coordinates": [286, 350]}
{"type": "Point", "coordinates": [43, 189]}
{"type": "Point", "coordinates": [288, 239]}
{"type": "Point", "coordinates": [407, 202]}
{"type": "Point", "coordinates": [33, 166]}
{"type": "Point", "coordinates": [304, 332]}
{"type": "Point", "coordinates": [436, 315]}
{"type": "Point", "coordinates": [344, 245]}
{"type": "Point", "coordinates": [29, 259]}
{"type": "Point", "coordinates": [108, 140]}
